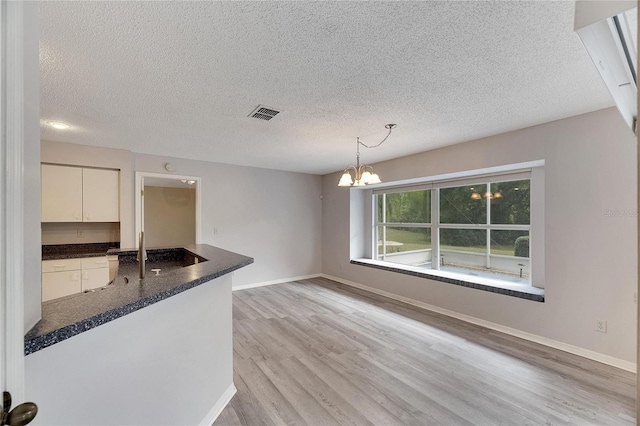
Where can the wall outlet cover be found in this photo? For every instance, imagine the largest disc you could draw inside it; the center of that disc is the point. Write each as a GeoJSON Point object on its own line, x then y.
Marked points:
{"type": "Point", "coordinates": [601, 326]}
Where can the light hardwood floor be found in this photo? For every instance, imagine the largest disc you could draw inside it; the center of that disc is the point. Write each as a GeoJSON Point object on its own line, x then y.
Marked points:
{"type": "Point", "coordinates": [317, 352]}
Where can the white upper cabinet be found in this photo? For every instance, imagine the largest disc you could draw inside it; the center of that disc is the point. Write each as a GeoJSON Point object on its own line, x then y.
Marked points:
{"type": "Point", "coordinates": [100, 195]}
{"type": "Point", "coordinates": [61, 193]}
{"type": "Point", "coordinates": [76, 194]}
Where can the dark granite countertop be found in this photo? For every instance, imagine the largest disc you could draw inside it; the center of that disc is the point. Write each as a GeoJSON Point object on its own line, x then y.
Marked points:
{"type": "Point", "coordinates": [71, 315]}
{"type": "Point", "coordinates": [74, 251]}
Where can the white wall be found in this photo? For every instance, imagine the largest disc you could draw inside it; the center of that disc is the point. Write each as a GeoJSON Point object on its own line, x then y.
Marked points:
{"type": "Point", "coordinates": [151, 367]}
{"type": "Point", "coordinates": [272, 216]}
{"type": "Point", "coordinates": [590, 169]}
{"type": "Point", "coordinates": [31, 168]}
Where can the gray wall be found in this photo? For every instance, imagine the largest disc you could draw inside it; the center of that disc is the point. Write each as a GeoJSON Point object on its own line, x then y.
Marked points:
{"type": "Point", "coordinates": [272, 216]}
{"type": "Point", "coordinates": [590, 256]}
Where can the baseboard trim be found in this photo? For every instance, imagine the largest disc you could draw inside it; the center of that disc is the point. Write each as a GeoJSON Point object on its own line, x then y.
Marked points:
{"type": "Point", "coordinates": [575, 350]}
{"type": "Point", "coordinates": [222, 402]}
{"type": "Point", "coordinates": [283, 280]}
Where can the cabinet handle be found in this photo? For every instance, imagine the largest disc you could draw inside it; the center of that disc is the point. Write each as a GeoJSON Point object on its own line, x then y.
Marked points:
{"type": "Point", "coordinates": [74, 276]}
{"type": "Point", "coordinates": [60, 266]}
{"type": "Point", "coordinates": [85, 275]}
{"type": "Point", "coordinates": [103, 262]}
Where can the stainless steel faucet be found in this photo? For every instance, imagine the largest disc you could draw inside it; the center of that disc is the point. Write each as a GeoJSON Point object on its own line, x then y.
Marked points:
{"type": "Point", "coordinates": [142, 255]}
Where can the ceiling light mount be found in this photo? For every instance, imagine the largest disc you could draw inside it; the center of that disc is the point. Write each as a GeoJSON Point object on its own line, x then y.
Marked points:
{"type": "Point", "coordinates": [59, 125]}
{"type": "Point", "coordinates": [364, 174]}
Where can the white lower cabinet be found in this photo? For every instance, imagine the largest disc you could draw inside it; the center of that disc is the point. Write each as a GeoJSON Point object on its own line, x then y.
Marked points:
{"type": "Point", "coordinates": [58, 284]}
{"type": "Point", "coordinates": [95, 278]}
{"type": "Point", "coordinates": [69, 276]}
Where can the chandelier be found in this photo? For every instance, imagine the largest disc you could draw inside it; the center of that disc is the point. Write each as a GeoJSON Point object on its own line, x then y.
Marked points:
{"type": "Point", "coordinates": [363, 173]}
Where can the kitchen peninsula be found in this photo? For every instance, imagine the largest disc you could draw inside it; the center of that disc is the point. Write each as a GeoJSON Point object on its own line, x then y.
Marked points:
{"type": "Point", "coordinates": [150, 351]}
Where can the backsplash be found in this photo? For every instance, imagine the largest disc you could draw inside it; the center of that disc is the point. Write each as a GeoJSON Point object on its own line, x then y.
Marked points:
{"type": "Point", "coordinates": [80, 233]}
{"type": "Point", "coordinates": [69, 251]}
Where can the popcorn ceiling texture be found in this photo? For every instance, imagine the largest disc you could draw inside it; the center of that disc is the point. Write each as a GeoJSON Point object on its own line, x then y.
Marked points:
{"type": "Point", "coordinates": [180, 78]}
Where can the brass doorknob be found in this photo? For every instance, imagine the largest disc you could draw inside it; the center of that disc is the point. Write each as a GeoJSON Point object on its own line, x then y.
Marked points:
{"type": "Point", "coordinates": [20, 415]}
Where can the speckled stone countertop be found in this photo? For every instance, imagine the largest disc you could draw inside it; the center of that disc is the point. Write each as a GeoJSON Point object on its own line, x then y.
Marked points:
{"type": "Point", "coordinates": [71, 315]}
{"type": "Point", "coordinates": [74, 251]}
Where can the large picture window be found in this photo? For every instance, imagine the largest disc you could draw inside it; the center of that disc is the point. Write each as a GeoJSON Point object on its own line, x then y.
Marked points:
{"type": "Point", "coordinates": [480, 227]}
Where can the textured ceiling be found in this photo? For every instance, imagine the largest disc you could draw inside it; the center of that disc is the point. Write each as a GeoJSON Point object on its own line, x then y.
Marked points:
{"type": "Point", "coordinates": [180, 78]}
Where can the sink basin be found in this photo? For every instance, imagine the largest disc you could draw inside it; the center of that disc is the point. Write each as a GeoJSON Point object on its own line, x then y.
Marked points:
{"type": "Point", "coordinates": [167, 259]}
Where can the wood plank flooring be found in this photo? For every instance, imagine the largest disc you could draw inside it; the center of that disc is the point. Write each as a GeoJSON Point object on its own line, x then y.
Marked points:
{"type": "Point", "coordinates": [316, 352]}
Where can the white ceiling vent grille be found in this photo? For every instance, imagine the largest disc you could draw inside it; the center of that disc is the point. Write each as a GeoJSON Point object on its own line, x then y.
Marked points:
{"type": "Point", "coordinates": [264, 113]}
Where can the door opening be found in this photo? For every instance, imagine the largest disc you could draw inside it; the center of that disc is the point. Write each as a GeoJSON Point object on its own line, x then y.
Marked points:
{"type": "Point", "coordinates": [167, 209]}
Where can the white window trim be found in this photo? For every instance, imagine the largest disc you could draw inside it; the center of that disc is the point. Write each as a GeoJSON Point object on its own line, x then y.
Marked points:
{"type": "Point", "coordinates": [531, 170]}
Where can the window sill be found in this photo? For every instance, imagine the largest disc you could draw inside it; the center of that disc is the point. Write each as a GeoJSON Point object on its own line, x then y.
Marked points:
{"type": "Point", "coordinates": [508, 289]}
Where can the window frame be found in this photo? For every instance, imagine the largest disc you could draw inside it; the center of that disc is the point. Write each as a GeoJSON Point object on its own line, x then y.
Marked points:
{"type": "Point", "coordinates": [534, 173]}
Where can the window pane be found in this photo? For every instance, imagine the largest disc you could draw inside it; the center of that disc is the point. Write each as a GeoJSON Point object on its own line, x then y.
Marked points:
{"type": "Point", "coordinates": [464, 204]}
{"type": "Point", "coordinates": [510, 254]}
{"type": "Point", "coordinates": [510, 243]}
{"type": "Point", "coordinates": [409, 246]}
{"type": "Point", "coordinates": [464, 240]}
{"type": "Point", "coordinates": [408, 207]}
{"type": "Point", "coordinates": [510, 202]}
{"type": "Point", "coordinates": [463, 251]}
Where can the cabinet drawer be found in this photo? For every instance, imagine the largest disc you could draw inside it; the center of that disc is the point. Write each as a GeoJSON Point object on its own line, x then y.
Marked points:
{"type": "Point", "coordinates": [94, 262]}
{"type": "Point", "coordinates": [58, 284]}
{"type": "Point", "coordinates": [60, 265]}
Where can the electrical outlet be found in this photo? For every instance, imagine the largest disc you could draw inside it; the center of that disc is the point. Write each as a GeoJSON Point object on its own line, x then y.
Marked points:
{"type": "Point", "coordinates": [601, 326]}
{"type": "Point", "coordinates": [80, 233]}
{"type": "Point", "coordinates": [635, 298]}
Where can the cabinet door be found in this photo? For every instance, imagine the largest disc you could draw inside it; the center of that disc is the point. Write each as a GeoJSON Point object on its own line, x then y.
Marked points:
{"type": "Point", "coordinates": [61, 193]}
{"type": "Point", "coordinates": [58, 284]}
{"type": "Point", "coordinates": [95, 278]}
{"type": "Point", "coordinates": [101, 199]}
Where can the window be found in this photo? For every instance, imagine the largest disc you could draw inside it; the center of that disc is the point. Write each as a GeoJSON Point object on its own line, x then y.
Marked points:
{"type": "Point", "coordinates": [404, 227]}
{"type": "Point", "coordinates": [476, 227]}
{"type": "Point", "coordinates": [484, 230]}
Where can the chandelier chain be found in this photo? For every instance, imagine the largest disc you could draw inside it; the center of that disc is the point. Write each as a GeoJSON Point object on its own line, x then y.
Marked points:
{"type": "Point", "coordinates": [379, 143]}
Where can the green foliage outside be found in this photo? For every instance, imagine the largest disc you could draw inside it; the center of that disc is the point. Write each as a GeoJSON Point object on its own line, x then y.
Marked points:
{"type": "Point", "coordinates": [510, 204]}
{"type": "Point", "coordinates": [522, 246]}
{"type": "Point", "coordinates": [406, 207]}
{"type": "Point", "coordinates": [410, 240]}
{"type": "Point", "coordinates": [418, 241]}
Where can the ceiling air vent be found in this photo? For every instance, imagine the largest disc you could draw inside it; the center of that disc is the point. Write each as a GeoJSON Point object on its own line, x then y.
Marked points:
{"type": "Point", "coordinates": [264, 113]}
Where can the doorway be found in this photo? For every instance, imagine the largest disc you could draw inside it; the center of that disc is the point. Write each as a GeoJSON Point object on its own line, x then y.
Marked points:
{"type": "Point", "coordinates": [167, 209]}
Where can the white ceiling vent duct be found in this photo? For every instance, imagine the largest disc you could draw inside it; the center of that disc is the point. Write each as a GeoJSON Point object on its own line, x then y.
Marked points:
{"type": "Point", "coordinates": [609, 31]}
{"type": "Point", "coordinates": [264, 113]}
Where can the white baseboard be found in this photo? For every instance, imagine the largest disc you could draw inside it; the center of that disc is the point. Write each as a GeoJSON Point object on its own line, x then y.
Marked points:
{"type": "Point", "coordinates": [213, 414]}
{"type": "Point", "coordinates": [576, 350]}
{"type": "Point", "coordinates": [283, 280]}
